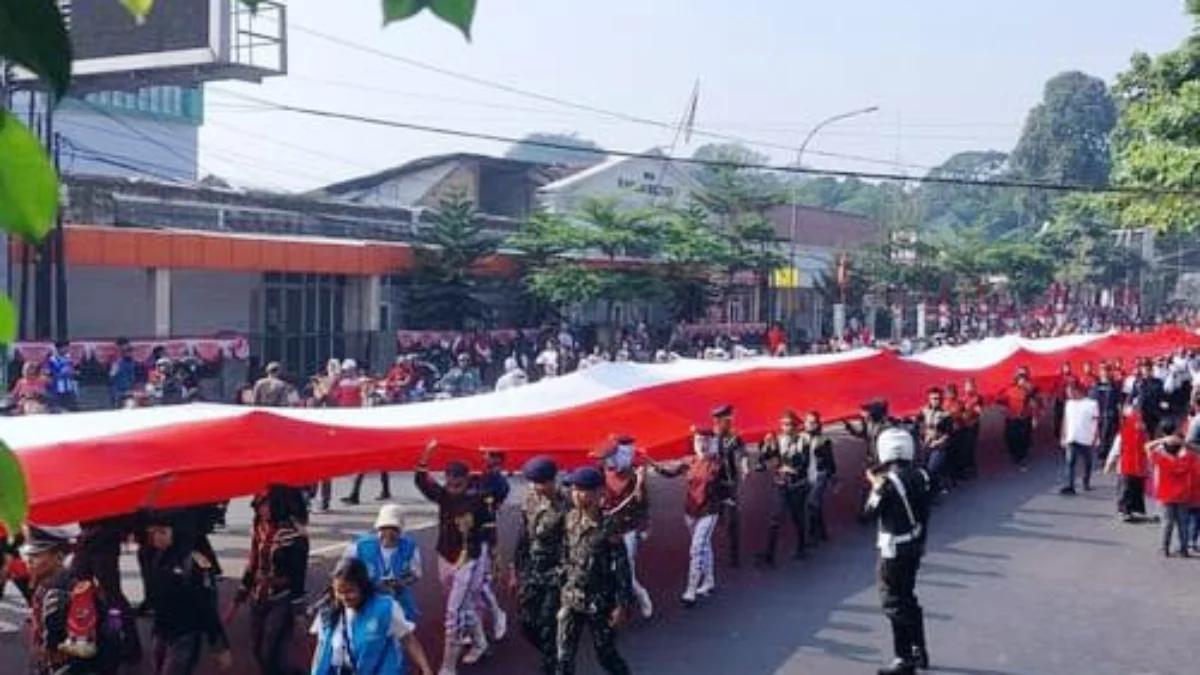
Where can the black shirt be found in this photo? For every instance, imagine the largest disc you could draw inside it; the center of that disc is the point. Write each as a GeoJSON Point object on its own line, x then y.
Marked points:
{"type": "Point", "coordinates": [184, 599]}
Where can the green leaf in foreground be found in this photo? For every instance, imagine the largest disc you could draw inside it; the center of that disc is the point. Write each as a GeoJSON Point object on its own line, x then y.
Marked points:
{"type": "Point", "coordinates": [140, 9]}
{"type": "Point", "coordinates": [8, 321]}
{"type": "Point", "coordinates": [399, 10]}
{"type": "Point", "coordinates": [14, 494]}
{"type": "Point", "coordinates": [28, 184]}
{"type": "Point", "coordinates": [32, 35]}
{"type": "Point", "coordinates": [459, 13]}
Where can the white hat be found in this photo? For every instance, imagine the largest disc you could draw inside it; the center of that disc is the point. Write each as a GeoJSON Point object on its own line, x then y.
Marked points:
{"type": "Point", "coordinates": [349, 364]}
{"type": "Point", "coordinates": [894, 445]}
{"type": "Point", "coordinates": [390, 515]}
{"type": "Point", "coordinates": [41, 538]}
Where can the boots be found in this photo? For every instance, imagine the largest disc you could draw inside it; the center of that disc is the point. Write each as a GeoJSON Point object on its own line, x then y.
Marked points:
{"type": "Point", "coordinates": [920, 651]}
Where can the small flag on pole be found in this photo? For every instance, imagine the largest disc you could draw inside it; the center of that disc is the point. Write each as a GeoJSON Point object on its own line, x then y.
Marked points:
{"type": "Point", "coordinates": [689, 117]}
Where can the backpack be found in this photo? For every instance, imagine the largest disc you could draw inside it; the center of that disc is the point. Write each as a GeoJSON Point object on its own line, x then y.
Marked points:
{"type": "Point", "coordinates": [99, 630]}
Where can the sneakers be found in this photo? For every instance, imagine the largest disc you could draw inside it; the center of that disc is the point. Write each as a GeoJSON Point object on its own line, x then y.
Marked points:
{"type": "Point", "coordinates": [645, 605]}
{"type": "Point", "coordinates": [475, 654]}
{"type": "Point", "coordinates": [899, 667]}
{"type": "Point", "coordinates": [500, 624]}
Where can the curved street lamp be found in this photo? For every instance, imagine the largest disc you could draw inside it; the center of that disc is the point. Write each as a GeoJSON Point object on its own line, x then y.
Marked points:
{"type": "Point", "coordinates": [800, 157]}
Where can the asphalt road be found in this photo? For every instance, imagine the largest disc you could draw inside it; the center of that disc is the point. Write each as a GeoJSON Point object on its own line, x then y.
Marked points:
{"type": "Point", "coordinates": [1019, 581]}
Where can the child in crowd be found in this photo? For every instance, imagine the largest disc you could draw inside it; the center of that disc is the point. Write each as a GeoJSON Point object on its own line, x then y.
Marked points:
{"type": "Point", "coordinates": [1177, 472]}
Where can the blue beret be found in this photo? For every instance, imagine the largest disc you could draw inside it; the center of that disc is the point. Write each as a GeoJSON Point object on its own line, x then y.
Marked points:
{"type": "Point", "coordinates": [540, 470]}
{"type": "Point", "coordinates": [723, 411]}
{"type": "Point", "coordinates": [457, 470]}
{"type": "Point", "coordinates": [586, 478]}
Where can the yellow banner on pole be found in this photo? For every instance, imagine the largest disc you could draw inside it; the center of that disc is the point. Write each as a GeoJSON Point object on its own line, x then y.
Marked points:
{"type": "Point", "coordinates": [786, 277]}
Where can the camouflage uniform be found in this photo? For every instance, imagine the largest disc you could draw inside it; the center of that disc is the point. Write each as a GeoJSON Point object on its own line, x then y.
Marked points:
{"type": "Point", "coordinates": [596, 581]}
{"type": "Point", "coordinates": [538, 565]}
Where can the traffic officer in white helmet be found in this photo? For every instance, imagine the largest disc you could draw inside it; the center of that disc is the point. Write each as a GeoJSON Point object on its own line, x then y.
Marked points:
{"type": "Point", "coordinates": [899, 500]}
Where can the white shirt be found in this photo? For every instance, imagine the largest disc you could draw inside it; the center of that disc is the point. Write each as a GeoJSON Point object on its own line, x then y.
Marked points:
{"type": "Point", "coordinates": [1080, 419]}
{"type": "Point", "coordinates": [401, 627]}
{"type": "Point", "coordinates": [513, 378]}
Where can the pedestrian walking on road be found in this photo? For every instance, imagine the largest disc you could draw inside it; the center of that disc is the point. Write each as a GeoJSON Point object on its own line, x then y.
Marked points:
{"type": "Point", "coordinates": [363, 631]}
{"type": "Point", "coordinates": [1021, 406]}
{"type": "Point", "coordinates": [184, 604]}
{"type": "Point", "coordinates": [1128, 458]}
{"type": "Point", "coordinates": [392, 558]}
{"type": "Point", "coordinates": [273, 584]}
{"type": "Point", "coordinates": [705, 496]}
{"type": "Point", "coordinates": [538, 559]}
{"type": "Point", "coordinates": [493, 488]}
{"type": "Point", "coordinates": [900, 500]}
{"type": "Point", "coordinates": [1080, 431]}
{"type": "Point", "coordinates": [1177, 470]}
{"type": "Point", "coordinates": [735, 466]}
{"type": "Point", "coordinates": [627, 501]}
{"type": "Point", "coordinates": [787, 457]}
{"type": "Point", "coordinates": [460, 543]}
{"type": "Point", "coordinates": [597, 585]}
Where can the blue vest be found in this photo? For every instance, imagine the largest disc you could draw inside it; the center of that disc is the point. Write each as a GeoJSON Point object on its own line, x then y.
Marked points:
{"type": "Point", "coordinates": [368, 550]}
{"type": "Point", "coordinates": [373, 650]}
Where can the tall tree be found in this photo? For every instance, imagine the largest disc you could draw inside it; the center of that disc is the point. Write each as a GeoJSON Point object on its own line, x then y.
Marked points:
{"type": "Point", "coordinates": [444, 291]}
{"type": "Point", "coordinates": [726, 158]}
{"type": "Point", "coordinates": [1157, 140]}
{"type": "Point", "coordinates": [1065, 140]}
{"type": "Point", "coordinates": [559, 149]}
{"type": "Point", "coordinates": [950, 207]}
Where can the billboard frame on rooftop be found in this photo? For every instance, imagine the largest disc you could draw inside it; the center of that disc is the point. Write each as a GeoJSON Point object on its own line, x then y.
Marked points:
{"type": "Point", "coordinates": [169, 47]}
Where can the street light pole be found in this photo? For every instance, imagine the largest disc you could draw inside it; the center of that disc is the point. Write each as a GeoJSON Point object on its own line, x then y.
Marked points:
{"type": "Point", "coordinates": [800, 158]}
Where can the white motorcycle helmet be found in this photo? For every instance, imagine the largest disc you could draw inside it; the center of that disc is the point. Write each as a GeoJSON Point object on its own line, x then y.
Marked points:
{"type": "Point", "coordinates": [894, 445]}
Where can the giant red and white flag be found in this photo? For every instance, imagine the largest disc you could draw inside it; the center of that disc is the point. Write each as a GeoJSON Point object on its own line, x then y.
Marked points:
{"type": "Point", "coordinates": [89, 465]}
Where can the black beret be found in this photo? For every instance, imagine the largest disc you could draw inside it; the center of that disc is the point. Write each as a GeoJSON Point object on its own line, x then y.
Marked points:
{"type": "Point", "coordinates": [624, 439]}
{"type": "Point", "coordinates": [457, 470]}
{"type": "Point", "coordinates": [725, 410]}
{"type": "Point", "coordinates": [586, 478]}
{"type": "Point", "coordinates": [540, 470]}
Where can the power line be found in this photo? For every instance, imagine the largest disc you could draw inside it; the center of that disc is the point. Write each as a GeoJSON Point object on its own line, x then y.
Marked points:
{"type": "Point", "coordinates": [864, 175]}
{"type": "Point", "coordinates": [595, 110]}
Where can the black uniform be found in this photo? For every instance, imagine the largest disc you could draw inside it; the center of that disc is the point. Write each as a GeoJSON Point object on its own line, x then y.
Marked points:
{"type": "Point", "coordinates": [733, 454]}
{"type": "Point", "coordinates": [1150, 397]}
{"type": "Point", "coordinates": [185, 610]}
{"type": "Point", "coordinates": [537, 561]}
{"type": "Point", "coordinates": [820, 453]}
{"type": "Point", "coordinates": [596, 581]}
{"type": "Point", "coordinates": [901, 506]}
{"type": "Point", "coordinates": [1107, 396]}
{"type": "Point", "coordinates": [790, 455]}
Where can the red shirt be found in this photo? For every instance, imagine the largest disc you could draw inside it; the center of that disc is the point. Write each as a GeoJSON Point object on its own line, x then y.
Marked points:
{"type": "Point", "coordinates": [1061, 384]}
{"type": "Point", "coordinates": [703, 486]}
{"type": "Point", "coordinates": [347, 393]}
{"type": "Point", "coordinates": [1018, 401]}
{"type": "Point", "coordinates": [1133, 443]}
{"type": "Point", "coordinates": [972, 405]}
{"type": "Point", "coordinates": [1176, 474]}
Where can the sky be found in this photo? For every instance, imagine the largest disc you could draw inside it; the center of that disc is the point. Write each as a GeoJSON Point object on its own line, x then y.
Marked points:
{"type": "Point", "coordinates": [947, 76]}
